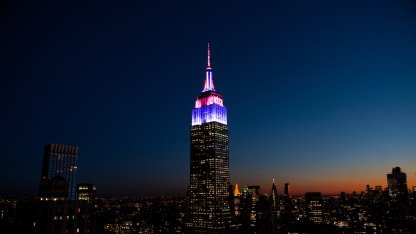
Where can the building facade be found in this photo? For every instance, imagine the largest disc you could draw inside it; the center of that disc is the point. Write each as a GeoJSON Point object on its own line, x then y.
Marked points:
{"type": "Point", "coordinates": [397, 186]}
{"type": "Point", "coordinates": [209, 196]}
{"type": "Point", "coordinates": [59, 172]}
{"type": "Point", "coordinates": [287, 189]}
{"type": "Point", "coordinates": [86, 192]}
{"type": "Point", "coordinates": [314, 207]}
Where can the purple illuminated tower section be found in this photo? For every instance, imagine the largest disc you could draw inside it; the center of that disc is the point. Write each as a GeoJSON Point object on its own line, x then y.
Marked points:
{"type": "Point", "coordinates": [209, 196]}
{"type": "Point", "coordinates": [209, 105]}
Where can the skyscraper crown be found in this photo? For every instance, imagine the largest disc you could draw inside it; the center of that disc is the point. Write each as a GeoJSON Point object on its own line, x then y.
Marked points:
{"type": "Point", "coordinates": [209, 105]}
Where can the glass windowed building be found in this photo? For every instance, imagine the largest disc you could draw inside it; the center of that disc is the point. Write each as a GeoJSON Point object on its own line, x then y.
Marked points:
{"type": "Point", "coordinates": [59, 165]}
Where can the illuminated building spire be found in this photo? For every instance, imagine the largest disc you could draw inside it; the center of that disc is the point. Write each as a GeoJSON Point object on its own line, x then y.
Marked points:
{"type": "Point", "coordinates": [236, 191]}
{"type": "Point", "coordinates": [275, 196]}
{"type": "Point", "coordinates": [209, 105]}
{"type": "Point", "coordinates": [209, 82]}
{"type": "Point", "coordinates": [209, 58]}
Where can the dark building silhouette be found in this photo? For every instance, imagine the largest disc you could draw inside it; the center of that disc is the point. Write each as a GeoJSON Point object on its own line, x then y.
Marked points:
{"type": "Point", "coordinates": [209, 196]}
{"type": "Point", "coordinates": [86, 220]}
{"type": "Point", "coordinates": [256, 214]}
{"type": "Point", "coordinates": [59, 172]}
{"type": "Point", "coordinates": [274, 197]}
{"type": "Point", "coordinates": [287, 189]}
{"type": "Point", "coordinates": [275, 206]}
{"type": "Point", "coordinates": [86, 192]}
{"type": "Point", "coordinates": [314, 207]}
{"type": "Point", "coordinates": [397, 186]}
{"type": "Point", "coordinates": [57, 210]}
{"type": "Point", "coordinates": [236, 207]}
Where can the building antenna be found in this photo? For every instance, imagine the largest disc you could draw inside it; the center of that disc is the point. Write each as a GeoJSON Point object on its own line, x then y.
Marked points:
{"type": "Point", "coordinates": [209, 56]}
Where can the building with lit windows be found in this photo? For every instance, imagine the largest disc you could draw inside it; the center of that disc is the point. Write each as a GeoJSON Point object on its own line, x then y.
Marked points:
{"type": "Point", "coordinates": [236, 202]}
{"type": "Point", "coordinates": [86, 192]}
{"type": "Point", "coordinates": [59, 172]}
{"type": "Point", "coordinates": [208, 195]}
{"type": "Point", "coordinates": [314, 207]}
{"type": "Point", "coordinates": [275, 205]}
{"type": "Point", "coordinates": [397, 186]}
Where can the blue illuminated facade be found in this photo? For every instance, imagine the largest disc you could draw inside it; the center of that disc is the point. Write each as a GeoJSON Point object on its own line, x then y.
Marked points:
{"type": "Point", "coordinates": [209, 111]}
{"type": "Point", "coordinates": [59, 172]}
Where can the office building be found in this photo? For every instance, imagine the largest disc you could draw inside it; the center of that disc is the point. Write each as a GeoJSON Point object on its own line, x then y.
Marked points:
{"type": "Point", "coordinates": [314, 207]}
{"type": "Point", "coordinates": [274, 197]}
{"type": "Point", "coordinates": [209, 196]}
{"type": "Point", "coordinates": [236, 202]}
{"type": "Point", "coordinates": [86, 192]}
{"type": "Point", "coordinates": [287, 189]}
{"type": "Point", "coordinates": [397, 185]}
{"type": "Point", "coordinates": [59, 172]}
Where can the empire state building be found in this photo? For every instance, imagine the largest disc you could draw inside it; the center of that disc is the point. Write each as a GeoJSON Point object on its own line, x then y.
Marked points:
{"type": "Point", "coordinates": [208, 196]}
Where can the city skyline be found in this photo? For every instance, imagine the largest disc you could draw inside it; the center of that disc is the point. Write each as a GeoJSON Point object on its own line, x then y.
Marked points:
{"type": "Point", "coordinates": [321, 95]}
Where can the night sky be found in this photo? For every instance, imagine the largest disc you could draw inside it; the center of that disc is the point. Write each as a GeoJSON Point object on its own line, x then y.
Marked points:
{"type": "Point", "coordinates": [320, 94]}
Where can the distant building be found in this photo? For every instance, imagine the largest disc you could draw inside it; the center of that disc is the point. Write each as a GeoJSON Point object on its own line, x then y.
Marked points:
{"type": "Point", "coordinates": [287, 189]}
{"type": "Point", "coordinates": [252, 198]}
{"type": "Point", "coordinates": [314, 207]}
{"type": "Point", "coordinates": [59, 172]}
{"type": "Point", "coordinates": [57, 210]}
{"type": "Point", "coordinates": [256, 211]}
{"type": "Point", "coordinates": [208, 196]}
{"type": "Point", "coordinates": [236, 203]}
{"type": "Point", "coordinates": [253, 190]}
{"type": "Point", "coordinates": [397, 185]}
{"type": "Point", "coordinates": [236, 191]}
{"type": "Point", "coordinates": [274, 196]}
{"type": "Point", "coordinates": [275, 206]}
{"type": "Point", "coordinates": [86, 192]}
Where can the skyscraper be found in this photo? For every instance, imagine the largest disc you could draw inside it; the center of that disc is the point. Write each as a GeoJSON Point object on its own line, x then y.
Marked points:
{"type": "Point", "coordinates": [59, 171]}
{"type": "Point", "coordinates": [86, 192]}
{"type": "Point", "coordinates": [209, 196]}
{"type": "Point", "coordinates": [314, 207]}
{"type": "Point", "coordinates": [397, 185]}
{"type": "Point", "coordinates": [274, 197]}
{"type": "Point", "coordinates": [287, 189]}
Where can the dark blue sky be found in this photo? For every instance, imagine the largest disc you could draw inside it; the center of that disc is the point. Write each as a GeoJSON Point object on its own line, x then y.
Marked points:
{"type": "Point", "coordinates": [320, 94]}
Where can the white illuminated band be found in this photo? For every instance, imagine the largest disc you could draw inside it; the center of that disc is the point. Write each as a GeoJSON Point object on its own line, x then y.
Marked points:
{"type": "Point", "coordinates": [209, 82]}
